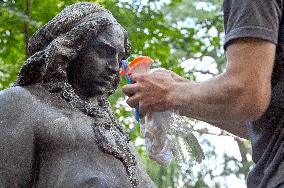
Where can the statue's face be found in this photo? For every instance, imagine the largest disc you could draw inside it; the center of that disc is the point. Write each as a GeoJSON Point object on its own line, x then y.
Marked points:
{"type": "Point", "coordinates": [100, 64]}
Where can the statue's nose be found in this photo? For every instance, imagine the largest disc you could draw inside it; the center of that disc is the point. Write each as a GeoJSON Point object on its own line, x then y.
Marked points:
{"type": "Point", "coordinates": [113, 66]}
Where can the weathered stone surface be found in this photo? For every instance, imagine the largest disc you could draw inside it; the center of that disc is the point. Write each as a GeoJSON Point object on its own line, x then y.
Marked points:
{"type": "Point", "coordinates": [56, 125]}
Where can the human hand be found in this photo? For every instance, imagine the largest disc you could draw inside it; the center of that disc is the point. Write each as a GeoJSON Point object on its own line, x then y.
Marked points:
{"type": "Point", "coordinates": [177, 77]}
{"type": "Point", "coordinates": [151, 91]}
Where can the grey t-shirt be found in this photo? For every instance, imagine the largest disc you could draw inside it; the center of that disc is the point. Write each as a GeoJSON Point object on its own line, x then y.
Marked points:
{"type": "Point", "coordinates": [263, 19]}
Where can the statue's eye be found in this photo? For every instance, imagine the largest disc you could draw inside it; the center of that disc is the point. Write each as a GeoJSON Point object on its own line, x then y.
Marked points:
{"type": "Point", "coordinates": [105, 50]}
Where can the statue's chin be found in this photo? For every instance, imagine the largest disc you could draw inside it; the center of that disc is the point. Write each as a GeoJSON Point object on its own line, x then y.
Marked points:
{"type": "Point", "coordinates": [111, 89]}
{"type": "Point", "coordinates": [107, 91]}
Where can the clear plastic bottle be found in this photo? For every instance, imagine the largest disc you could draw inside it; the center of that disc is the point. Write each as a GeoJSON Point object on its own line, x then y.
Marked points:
{"type": "Point", "coordinates": [167, 134]}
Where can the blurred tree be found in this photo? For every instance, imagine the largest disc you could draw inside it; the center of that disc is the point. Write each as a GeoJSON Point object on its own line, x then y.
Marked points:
{"type": "Point", "coordinates": [176, 33]}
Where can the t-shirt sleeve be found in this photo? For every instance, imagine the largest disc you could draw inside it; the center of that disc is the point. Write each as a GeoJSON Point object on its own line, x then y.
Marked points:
{"type": "Point", "coordinates": [252, 19]}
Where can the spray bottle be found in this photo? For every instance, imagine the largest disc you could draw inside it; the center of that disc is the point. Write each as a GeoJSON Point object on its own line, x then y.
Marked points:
{"type": "Point", "coordinates": [140, 64]}
{"type": "Point", "coordinates": [166, 133]}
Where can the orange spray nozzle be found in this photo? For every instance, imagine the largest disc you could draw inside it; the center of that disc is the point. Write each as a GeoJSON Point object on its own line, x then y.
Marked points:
{"type": "Point", "coordinates": [138, 65]}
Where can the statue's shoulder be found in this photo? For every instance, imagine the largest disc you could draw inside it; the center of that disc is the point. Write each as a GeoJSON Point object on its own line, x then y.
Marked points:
{"type": "Point", "coordinates": [13, 97]}
{"type": "Point", "coordinates": [16, 105]}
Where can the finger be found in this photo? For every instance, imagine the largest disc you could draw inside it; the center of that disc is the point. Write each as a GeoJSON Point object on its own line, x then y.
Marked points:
{"type": "Point", "coordinates": [161, 71]}
{"type": "Point", "coordinates": [130, 89]}
{"type": "Point", "coordinates": [143, 110]}
{"type": "Point", "coordinates": [142, 113]}
{"type": "Point", "coordinates": [136, 77]}
{"type": "Point", "coordinates": [133, 101]}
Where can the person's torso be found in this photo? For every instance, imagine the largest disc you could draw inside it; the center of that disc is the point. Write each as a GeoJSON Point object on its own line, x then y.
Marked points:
{"type": "Point", "coordinates": [262, 130]}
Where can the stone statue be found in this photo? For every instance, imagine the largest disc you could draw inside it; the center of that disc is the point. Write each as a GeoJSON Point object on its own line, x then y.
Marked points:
{"type": "Point", "coordinates": [56, 125]}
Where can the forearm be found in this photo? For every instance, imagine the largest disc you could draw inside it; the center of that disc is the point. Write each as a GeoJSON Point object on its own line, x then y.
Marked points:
{"type": "Point", "coordinates": [234, 127]}
{"type": "Point", "coordinates": [222, 100]}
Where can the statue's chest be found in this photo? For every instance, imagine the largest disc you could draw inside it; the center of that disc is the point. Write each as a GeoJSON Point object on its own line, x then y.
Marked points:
{"type": "Point", "coordinates": [69, 154]}
{"type": "Point", "coordinates": [65, 131]}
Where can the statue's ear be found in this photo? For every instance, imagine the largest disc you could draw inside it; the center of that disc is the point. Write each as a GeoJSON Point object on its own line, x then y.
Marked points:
{"type": "Point", "coordinates": [66, 48]}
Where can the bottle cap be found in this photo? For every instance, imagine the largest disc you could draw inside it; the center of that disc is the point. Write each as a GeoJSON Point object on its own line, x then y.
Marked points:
{"type": "Point", "coordinates": [139, 65]}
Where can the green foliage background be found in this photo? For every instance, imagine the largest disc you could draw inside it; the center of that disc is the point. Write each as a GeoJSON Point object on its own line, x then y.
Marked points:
{"type": "Point", "coordinates": [169, 32]}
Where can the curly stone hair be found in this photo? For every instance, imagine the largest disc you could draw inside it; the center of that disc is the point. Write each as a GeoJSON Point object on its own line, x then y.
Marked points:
{"type": "Point", "coordinates": [62, 40]}
{"type": "Point", "coordinates": [53, 48]}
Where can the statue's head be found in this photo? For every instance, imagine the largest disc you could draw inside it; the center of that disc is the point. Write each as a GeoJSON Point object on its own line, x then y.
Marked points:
{"type": "Point", "coordinates": [82, 46]}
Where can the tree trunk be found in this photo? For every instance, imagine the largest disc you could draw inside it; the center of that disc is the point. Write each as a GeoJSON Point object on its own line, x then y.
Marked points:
{"type": "Point", "coordinates": [26, 25]}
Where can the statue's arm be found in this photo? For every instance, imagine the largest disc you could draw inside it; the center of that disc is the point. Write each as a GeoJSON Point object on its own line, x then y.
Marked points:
{"type": "Point", "coordinates": [16, 140]}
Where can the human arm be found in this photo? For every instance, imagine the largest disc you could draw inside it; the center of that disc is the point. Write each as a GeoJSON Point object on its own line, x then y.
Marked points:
{"type": "Point", "coordinates": [236, 127]}
{"type": "Point", "coordinates": [16, 141]}
{"type": "Point", "coordinates": [240, 94]}
{"type": "Point", "coordinates": [251, 29]}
